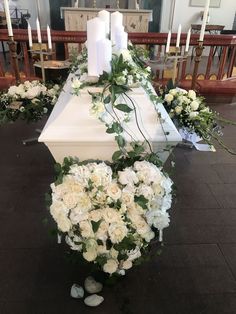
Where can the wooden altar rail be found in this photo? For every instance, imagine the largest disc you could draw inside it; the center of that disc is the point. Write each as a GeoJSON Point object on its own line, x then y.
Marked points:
{"type": "Point", "coordinates": [225, 45]}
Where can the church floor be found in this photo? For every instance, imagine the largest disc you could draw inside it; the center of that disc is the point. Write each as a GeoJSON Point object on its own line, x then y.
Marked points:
{"type": "Point", "coordinates": [195, 274]}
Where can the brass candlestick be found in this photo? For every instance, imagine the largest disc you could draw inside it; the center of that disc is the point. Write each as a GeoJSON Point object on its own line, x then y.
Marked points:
{"type": "Point", "coordinates": [42, 62]}
{"type": "Point", "coordinates": [13, 52]}
{"type": "Point", "coordinates": [197, 59]}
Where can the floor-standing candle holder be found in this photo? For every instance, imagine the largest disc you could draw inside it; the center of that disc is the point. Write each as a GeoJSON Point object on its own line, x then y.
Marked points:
{"type": "Point", "coordinates": [13, 52]}
{"type": "Point", "coordinates": [118, 4]}
{"type": "Point", "coordinates": [41, 54]}
{"type": "Point", "coordinates": [197, 59]}
{"type": "Point", "coordinates": [94, 3]}
{"type": "Point", "coordinates": [177, 59]}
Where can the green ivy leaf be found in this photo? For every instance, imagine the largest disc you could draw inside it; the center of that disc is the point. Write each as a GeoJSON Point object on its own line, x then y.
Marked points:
{"type": "Point", "coordinates": [95, 225]}
{"type": "Point", "coordinates": [120, 141]}
{"type": "Point", "coordinates": [116, 155]}
{"type": "Point", "coordinates": [107, 100]}
{"type": "Point", "coordinates": [124, 108]}
{"type": "Point", "coordinates": [141, 201]}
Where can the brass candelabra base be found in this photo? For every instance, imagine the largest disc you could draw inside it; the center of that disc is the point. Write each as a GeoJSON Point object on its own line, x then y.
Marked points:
{"type": "Point", "coordinates": [198, 50]}
{"type": "Point", "coordinates": [13, 53]}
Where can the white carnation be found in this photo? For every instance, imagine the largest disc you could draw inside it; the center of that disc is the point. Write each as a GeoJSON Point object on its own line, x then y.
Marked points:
{"type": "Point", "coordinates": [111, 266]}
{"type": "Point", "coordinates": [114, 191]}
{"type": "Point", "coordinates": [86, 229]}
{"type": "Point", "coordinates": [117, 232]}
{"type": "Point", "coordinates": [127, 176]}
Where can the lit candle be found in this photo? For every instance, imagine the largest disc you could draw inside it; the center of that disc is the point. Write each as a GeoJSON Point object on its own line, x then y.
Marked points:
{"type": "Point", "coordinates": [8, 18]}
{"type": "Point", "coordinates": [38, 31]}
{"type": "Point", "coordinates": [188, 40]}
{"type": "Point", "coordinates": [178, 36]}
{"type": "Point", "coordinates": [168, 42]}
{"type": "Point", "coordinates": [49, 38]}
{"type": "Point", "coordinates": [30, 36]}
{"type": "Point", "coordinates": [105, 16]}
{"type": "Point", "coordinates": [204, 20]}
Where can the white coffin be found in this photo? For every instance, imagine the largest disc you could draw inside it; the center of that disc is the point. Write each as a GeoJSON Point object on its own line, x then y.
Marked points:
{"type": "Point", "coordinates": [72, 131]}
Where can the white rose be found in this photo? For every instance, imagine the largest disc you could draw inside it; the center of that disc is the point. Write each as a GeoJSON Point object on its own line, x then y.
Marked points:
{"type": "Point", "coordinates": [114, 191]}
{"type": "Point", "coordinates": [117, 232]}
{"type": "Point", "coordinates": [102, 233]}
{"type": "Point", "coordinates": [178, 109]}
{"type": "Point", "coordinates": [127, 176]}
{"type": "Point", "coordinates": [142, 227]}
{"type": "Point", "coordinates": [127, 198]}
{"type": "Point", "coordinates": [146, 191]}
{"type": "Point", "coordinates": [111, 266]}
{"type": "Point", "coordinates": [95, 215]}
{"type": "Point", "coordinates": [76, 84]}
{"type": "Point", "coordinates": [56, 208]}
{"type": "Point", "coordinates": [90, 255]}
{"type": "Point", "coordinates": [127, 264]}
{"type": "Point", "coordinates": [86, 229]}
{"type": "Point", "coordinates": [63, 222]}
{"type": "Point", "coordinates": [33, 92]}
{"type": "Point", "coordinates": [71, 199]}
{"type": "Point", "coordinates": [194, 105]}
{"type": "Point", "coordinates": [113, 253]}
{"type": "Point", "coordinates": [173, 92]}
{"type": "Point", "coordinates": [192, 94]}
{"type": "Point", "coordinates": [78, 215]}
{"type": "Point", "coordinates": [83, 201]}
{"type": "Point", "coordinates": [110, 215]}
{"type": "Point", "coordinates": [158, 189]}
{"type": "Point", "coordinates": [168, 98]}
{"type": "Point", "coordinates": [193, 115]}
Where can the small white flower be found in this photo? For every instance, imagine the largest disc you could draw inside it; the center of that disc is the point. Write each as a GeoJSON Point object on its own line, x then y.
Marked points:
{"type": "Point", "coordinates": [194, 105]}
{"type": "Point", "coordinates": [169, 98]}
{"type": "Point", "coordinates": [111, 266]}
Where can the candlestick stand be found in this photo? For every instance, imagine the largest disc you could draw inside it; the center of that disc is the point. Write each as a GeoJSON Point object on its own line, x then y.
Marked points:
{"type": "Point", "coordinates": [197, 59]}
{"type": "Point", "coordinates": [13, 52]}
{"type": "Point", "coordinates": [42, 53]}
{"type": "Point", "coordinates": [177, 58]}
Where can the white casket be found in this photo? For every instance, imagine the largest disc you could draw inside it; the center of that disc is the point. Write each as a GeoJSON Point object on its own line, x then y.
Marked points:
{"type": "Point", "coordinates": [72, 131]}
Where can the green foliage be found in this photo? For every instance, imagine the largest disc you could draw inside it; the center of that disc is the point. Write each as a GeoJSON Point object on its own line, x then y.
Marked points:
{"type": "Point", "coordinates": [141, 201]}
{"type": "Point", "coordinates": [123, 107]}
{"type": "Point", "coordinates": [95, 225]}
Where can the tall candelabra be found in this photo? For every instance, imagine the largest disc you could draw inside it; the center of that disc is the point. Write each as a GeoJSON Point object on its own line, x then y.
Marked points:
{"type": "Point", "coordinates": [13, 52]}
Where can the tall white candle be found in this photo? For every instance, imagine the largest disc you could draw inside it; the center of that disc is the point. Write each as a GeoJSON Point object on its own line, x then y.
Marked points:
{"type": "Point", "coordinates": [188, 40]}
{"type": "Point", "coordinates": [168, 42]}
{"type": "Point", "coordinates": [105, 16]}
{"type": "Point", "coordinates": [204, 20]}
{"type": "Point", "coordinates": [30, 36]}
{"type": "Point", "coordinates": [95, 32]}
{"type": "Point", "coordinates": [38, 31]}
{"type": "Point", "coordinates": [178, 36]}
{"type": "Point", "coordinates": [116, 21]}
{"type": "Point", "coordinates": [8, 18]}
{"type": "Point", "coordinates": [49, 38]}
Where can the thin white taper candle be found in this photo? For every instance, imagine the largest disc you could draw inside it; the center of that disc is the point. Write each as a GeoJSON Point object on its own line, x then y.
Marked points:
{"type": "Point", "coordinates": [188, 40]}
{"type": "Point", "coordinates": [49, 38]}
{"type": "Point", "coordinates": [30, 36]}
{"type": "Point", "coordinates": [8, 18]}
{"type": "Point", "coordinates": [38, 31]}
{"type": "Point", "coordinates": [204, 20]}
{"type": "Point", "coordinates": [168, 42]}
{"type": "Point", "coordinates": [178, 36]}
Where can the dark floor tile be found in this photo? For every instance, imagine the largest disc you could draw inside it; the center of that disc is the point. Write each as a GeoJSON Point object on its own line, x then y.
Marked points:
{"type": "Point", "coordinates": [210, 158]}
{"type": "Point", "coordinates": [226, 172]}
{"type": "Point", "coordinates": [229, 252]}
{"type": "Point", "coordinates": [225, 194]}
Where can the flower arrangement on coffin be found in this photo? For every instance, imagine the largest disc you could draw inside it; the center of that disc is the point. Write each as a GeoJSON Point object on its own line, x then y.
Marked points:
{"type": "Point", "coordinates": [110, 211]}
{"type": "Point", "coordinates": [28, 101]}
{"type": "Point", "coordinates": [190, 112]}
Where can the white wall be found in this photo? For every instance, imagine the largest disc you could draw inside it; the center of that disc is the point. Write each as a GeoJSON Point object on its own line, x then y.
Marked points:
{"type": "Point", "coordinates": [186, 15]}
{"type": "Point", "coordinates": [32, 7]}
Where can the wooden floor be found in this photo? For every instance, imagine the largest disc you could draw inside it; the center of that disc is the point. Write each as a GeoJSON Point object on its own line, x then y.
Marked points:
{"type": "Point", "coordinates": [195, 274]}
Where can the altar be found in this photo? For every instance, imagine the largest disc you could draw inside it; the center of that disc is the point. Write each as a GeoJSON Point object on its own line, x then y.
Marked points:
{"type": "Point", "coordinates": [72, 131]}
{"type": "Point", "coordinates": [134, 20]}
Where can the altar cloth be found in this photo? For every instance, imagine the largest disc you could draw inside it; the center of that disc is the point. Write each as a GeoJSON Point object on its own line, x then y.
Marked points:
{"type": "Point", "coordinates": [71, 130]}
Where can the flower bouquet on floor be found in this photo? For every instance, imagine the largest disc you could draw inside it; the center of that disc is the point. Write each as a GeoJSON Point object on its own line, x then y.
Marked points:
{"type": "Point", "coordinates": [110, 212]}
{"type": "Point", "coordinates": [193, 117]}
{"type": "Point", "coordinates": [28, 101]}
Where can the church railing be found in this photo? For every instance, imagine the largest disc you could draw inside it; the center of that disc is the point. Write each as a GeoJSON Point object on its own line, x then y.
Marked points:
{"type": "Point", "coordinates": [222, 47]}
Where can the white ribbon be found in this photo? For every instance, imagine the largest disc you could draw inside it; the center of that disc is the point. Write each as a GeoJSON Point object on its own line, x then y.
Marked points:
{"type": "Point", "coordinates": [193, 138]}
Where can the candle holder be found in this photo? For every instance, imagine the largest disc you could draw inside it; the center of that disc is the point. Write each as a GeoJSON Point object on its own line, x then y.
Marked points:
{"type": "Point", "coordinates": [41, 54]}
{"type": "Point", "coordinates": [94, 3]}
{"type": "Point", "coordinates": [177, 58]}
{"type": "Point", "coordinates": [118, 4]}
{"type": "Point", "coordinates": [197, 59]}
{"type": "Point", "coordinates": [13, 52]}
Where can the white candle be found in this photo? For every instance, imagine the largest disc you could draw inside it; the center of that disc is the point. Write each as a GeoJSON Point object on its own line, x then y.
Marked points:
{"type": "Point", "coordinates": [168, 42]}
{"type": "Point", "coordinates": [30, 36]}
{"type": "Point", "coordinates": [95, 32]}
{"type": "Point", "coordinates": [38, 31]}
{"type": "Point", "coordinates": [105, 16]}
{"type": "Point", "coordinates": [116, 21]}
{"type": "Point", "coordinates": [49, 38]}
{"type": "Point", "coordinates": [204, 20]}
{"type": "Point", "coordinates": [105, 55]}
{"type": "Point", "coordinates": [178, 36]}
{"type": "Point", "coordinates": [188, 40]}
{"type": "Point", "coordinates": [8, 18]}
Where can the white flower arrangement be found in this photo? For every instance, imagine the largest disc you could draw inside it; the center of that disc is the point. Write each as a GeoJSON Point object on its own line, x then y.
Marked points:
{"type": "Point", "coordinates": [111, 216]}
{"type": "Point", "coordinates": [28, 101]}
